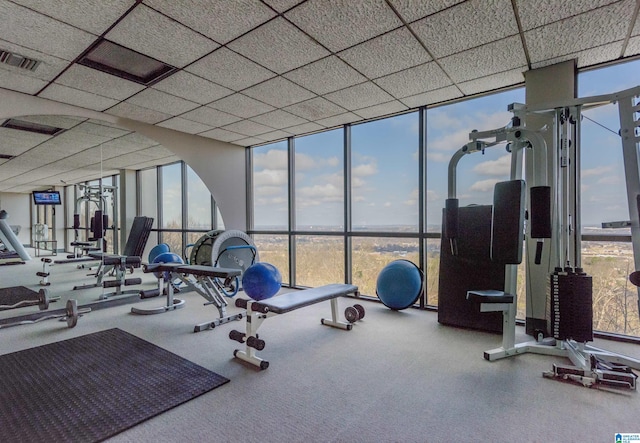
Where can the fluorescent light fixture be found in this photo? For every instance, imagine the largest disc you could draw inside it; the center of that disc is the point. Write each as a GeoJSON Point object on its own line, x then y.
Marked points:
{"type": "Point", "coordinates": [21, 125]}
{"type": "Point", "coordinates": [122, 62]}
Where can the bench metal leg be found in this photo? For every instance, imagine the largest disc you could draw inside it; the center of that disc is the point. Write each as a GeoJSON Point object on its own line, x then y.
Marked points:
{"type": "Point", "coordinates": [172, 304]}
{"type": "Point", "coordinates": [334, 322]}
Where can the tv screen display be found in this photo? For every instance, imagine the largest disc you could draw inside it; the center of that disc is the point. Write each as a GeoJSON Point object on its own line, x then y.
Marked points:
{"type": "Point", "coordinates": [46, 198]}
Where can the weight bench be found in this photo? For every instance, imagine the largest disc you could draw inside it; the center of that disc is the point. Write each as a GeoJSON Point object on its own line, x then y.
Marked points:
{"type": "Point", "coordinates": [205, 280]}
{"type": "Point", "coordinates": [258, 311]}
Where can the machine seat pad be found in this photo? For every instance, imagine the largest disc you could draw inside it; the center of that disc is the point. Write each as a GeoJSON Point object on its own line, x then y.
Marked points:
{"type": "Point", "coordinates": [208, 271]}
{"type": "Point", "coordinates": [489, 296]}
{"type": "Point", "coordinates": [299, 299]}
{"type": "Point", "coordinates": [130, 260]}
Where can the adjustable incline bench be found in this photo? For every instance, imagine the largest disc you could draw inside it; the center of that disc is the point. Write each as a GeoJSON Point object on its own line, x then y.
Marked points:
{"type": "Point", "coordinates": [258, 311]}
{"type": "Point", "coordinates": [205, 280]}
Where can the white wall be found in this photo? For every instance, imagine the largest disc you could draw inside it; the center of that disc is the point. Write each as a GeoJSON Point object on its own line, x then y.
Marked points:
{"type": "Point", "coordinates": [18, 208]}
{"type": "Point", "coordinates": [220, 165]}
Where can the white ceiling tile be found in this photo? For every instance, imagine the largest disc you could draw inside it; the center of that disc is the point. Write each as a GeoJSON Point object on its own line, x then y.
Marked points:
{"type": "Point", "coordinates": [466, 25]}
{"type": "Point", "coordinates": [326, 75]}
{"type": "Point", "coordinates": [229, 69]}
{"type": "Point", "coordinates": [57, 121]}
{"type": "Point", "coordinates": [588, 57]}
{"type": "Point", "coordinates": [278, 92]}
{"type": "Point", "coordinates": [495, 81]}
{"type": "Point", "coordinates": [158, 151]}
{"type": "Point", "coordinates": [241, 105]}
{"type": "Point", "coordinates": [283, 5]}
{"type": "Point", "coordinates": [248, 128]}
{"type": "Point", "coordinates": [248, 141]}
{"type": "Point", "coordinates": [181, 124]}
{"type": "Point", "coordinates": [137, 140]}
{"type": "Point", "coordinates": [64, 94]}
{"type": "Point", "coordinates": [97, 82]}
{"type": "Point", "coordinates": [275, 135]}
{"type": "Point", "coordinates": [21, 83]}
{"type": "Point", "coordinates": [279, 46]}
{"type": "Point", "coordinates": [151, 33]}
{"type": "Point", "coordinates": [161, 101]}
{"type": "Point", "coordinates": [129, 110]}
{"type": "Point", "coordinates": [75, 141]}
{"type": "Point", "coordinates": [548, 42]}
{"type": "Point", "coordinates": [315, 109]}
{"type": "Point", "coordinates": [222, 135]}
{"type": "Point", "coordinates": [500, 56]}
{"type": "Point", "coordinates": [93, 128]}
{"type": "Point", "coordinates": [381, 109]}
{"type": "Point", "coordinates": [49, 66]}
{"type": "Point", "coordinates": [338, 24]}
{"type": "Point", "coordinates": [304, 128]}
{"type": "Point", "coordinates": [414, 80]}
{"type": "Point", "coordinates": [220, 20]}
{"type": "Point", "coordinates": [436, 96]}
{"type": "Point", "coordinates": [633, 47]}
{"type": "Point", "coordinates": [41, 33]}
{"type": "Point", "coordinates": [210, 116]}
{"type": "Point", "coordinates": [534, 13]}
{"type": "Point", "coordinates": [336, 120]}
{"type": "Point", "coordinates": [191, 87]}
{"type": "Point", "coordinates": [412, 10]}
{"type": "Point", "coordinates": [94, 16]}
{"type": "Point", "coordinates": [391, 52]}
{"type": "Point", "coordinates": [278, 119]}
{"type": "Point", "coordinates": [359, 96]}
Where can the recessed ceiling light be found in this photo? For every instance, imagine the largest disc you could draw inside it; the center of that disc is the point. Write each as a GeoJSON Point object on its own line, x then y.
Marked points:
{"type": "Point", "coordinates": [117, 60]}
{"type": "Point", "coordinates": [38, 128]}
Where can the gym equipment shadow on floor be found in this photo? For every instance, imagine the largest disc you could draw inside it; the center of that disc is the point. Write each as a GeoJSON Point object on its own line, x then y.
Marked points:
{"type": "Point", "coordinates": [92, 387]}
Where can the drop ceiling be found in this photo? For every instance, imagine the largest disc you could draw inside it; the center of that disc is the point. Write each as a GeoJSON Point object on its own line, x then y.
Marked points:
{"type": "Point", "coordinates": [254, 71]}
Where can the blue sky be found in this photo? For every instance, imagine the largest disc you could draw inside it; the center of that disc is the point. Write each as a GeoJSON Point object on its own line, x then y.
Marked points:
{"type": "Point", "coordinates": [385, 163]}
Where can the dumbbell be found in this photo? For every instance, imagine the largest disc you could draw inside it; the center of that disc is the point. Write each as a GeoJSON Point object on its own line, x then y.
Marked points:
{"type": "Point", "coordinates": [71, 315]}
{"type": "Point", "coordinates": [42, 301]}
{"type": "Point", "coordinates": [354, 313]}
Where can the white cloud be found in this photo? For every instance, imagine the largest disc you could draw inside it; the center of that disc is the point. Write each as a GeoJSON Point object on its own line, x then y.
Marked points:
{"type": "Point", "coordinates": [364, 170]}
{"type": "Point", "coordinates": [484, 185]}
{"type": "Point", "coordinates": [610, 180]}
{"type": "Point", "coordinates": [599, 170]}
{"type": "Point", "coordinates": [499, 167]}
{"type": "Point", "coordinates": [272, 159]}
{"type": "Point", "coordinates": [432, 195]}
{"type": "Point", "coordinates": [387, 204]}
{"type": "Point", "coordinates": [270, 177]}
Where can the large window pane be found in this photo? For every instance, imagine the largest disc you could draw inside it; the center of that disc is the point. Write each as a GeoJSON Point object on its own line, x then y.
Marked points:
{"type": "Point", "coordinates": [148, 204]}
{"type": "Point", "coordinates": [319, 260]}
{"type": "Point", "coordinates": [270, 181]}
{"type": "Point", "coordinates": [274, 249]}
{"type": "Point", "coordinates": [371, 254]}
{"type": "Point", "coordinates": [384, 174]}
{"type": "Point", "coordinates": [319, 178]}
{"type": "Point", "coordinates": [171, 194]}
{"type": "Point", "coordinates": [448, 129]}
{"type": "Point", "coordinates": [198, 202]}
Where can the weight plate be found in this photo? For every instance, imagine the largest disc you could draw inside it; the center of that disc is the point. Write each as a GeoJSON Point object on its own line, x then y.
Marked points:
{"type": "Point", "coordinates": [43, 299]}
{"type": "Point", "coordinates": [360, 310]}
{"type": "Point", "coordinates": [351, 314]}
{"type": "Point", "coordinates": [72, 313]}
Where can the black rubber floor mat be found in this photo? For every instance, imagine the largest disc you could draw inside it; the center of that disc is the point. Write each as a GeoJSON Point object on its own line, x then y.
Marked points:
{"type": "Point", "coordinates": [15, 294]}
{"type": "Point", "coordinates": [92, 387]}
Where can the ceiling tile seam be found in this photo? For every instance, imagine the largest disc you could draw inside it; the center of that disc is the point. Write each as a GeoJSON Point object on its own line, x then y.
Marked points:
{"type": "Point", "coordinates": [174, 20]}
{"type": "Point", "coordinates": [285, 11]}
{"type": "Point", "coordinates": [516, 13]}
{"type": "Point", "coordinates": [632, 22]}
{"type": "Point", "coordinates": [82, 54]}
{"type": "Point", "coordinates": [258, 115]}
{"type": "Point", "coordinates": [605, 63]}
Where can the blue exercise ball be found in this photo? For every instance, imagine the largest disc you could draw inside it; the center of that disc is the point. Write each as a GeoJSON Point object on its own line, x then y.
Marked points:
{"type": "Point", "coordinates": [157, 250]}
{"type": "Point", "coordinates": [399, 284]}
{"type": "Point", "coordinates": [167, 257]}
{"type": "Point", "coordinates": [261, 281]}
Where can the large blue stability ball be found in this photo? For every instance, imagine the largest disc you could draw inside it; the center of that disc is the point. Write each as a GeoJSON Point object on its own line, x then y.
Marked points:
{"type": "Point", "coordinates": [261, 281]}
{"type": "Point", "coordinates": [157, 250]}
{"type": "Point", "coordinates": [167, 257]}
{"type": "Point", "coordinates": [399, 284]}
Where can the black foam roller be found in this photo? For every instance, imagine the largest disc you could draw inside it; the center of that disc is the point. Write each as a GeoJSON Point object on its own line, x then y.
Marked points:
{"type": "Point", "coordinates": [76, 221]}
{"type": "Point", "coordinates": [540, 212]}
{"type": "Point", "coordinates": [97, 224]}
{"type": "Point", "coordinates": [451, 218]}
{"type": "Point", "coordinates": [507, 222]}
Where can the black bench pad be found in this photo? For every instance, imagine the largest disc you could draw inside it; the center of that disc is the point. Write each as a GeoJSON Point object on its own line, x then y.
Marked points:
{"type": "Point", "coordinates": [208, 271]}
{"type": "Point", "coordinates": [306, 297]}
{"type": "Point", "coordinates": [112, 259]}
{"type": "Point", "coordinates": [489, 296]}
{"type": "Point", "coordinates": [160, 267]}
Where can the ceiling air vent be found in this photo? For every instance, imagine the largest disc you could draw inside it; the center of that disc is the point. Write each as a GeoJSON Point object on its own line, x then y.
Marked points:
{"type": "Point", "coordinates": [38, 128]}
{"type": "Point", "coordinates": [19, 61]}
{"type": "Point", "coordinates": [117, 60]}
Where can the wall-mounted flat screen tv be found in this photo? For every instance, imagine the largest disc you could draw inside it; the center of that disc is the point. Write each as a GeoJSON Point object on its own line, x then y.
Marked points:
{"type": "Point", "coordinates": [46, 197]}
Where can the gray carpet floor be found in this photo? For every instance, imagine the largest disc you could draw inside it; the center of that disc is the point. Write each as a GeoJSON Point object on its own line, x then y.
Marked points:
{"type": "Point", "coordinates": [396, 377]}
